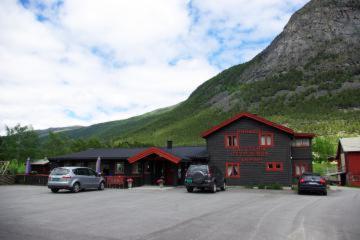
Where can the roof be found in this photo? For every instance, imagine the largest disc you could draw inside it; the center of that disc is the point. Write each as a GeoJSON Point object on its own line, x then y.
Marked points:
{"type": "Point", "coordinates": [157, 151]}
{"type": "Point", "coordinates": [304, 135]}
{"type": "Point", "coordinates": [258, 119]}
{"type": "Point", "coordinates": [350, 144]}
{"type": "Point", "coordinates": [184, 153]}
{"type": "Point", "coordinates": [246, 115]}
{"type": "Point", "coordinates": [40, 162]}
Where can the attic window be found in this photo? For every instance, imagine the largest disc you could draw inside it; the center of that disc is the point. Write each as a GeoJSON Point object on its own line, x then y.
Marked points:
{"type": "Point", "coordinates": [231, 140]}
{"type": "Point", "coordinates": [266, 139]}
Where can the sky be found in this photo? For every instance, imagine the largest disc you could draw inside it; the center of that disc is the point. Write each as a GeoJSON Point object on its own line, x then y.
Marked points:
{"type": "Point", "coordinates": [73, 62]}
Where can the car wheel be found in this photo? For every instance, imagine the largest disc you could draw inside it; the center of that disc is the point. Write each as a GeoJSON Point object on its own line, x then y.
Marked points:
{"type": "Point", "coordinates": [76, 188]}
{"type": "Point", "coordinates": [54, 190]}
{"type": "Point", "coordinates": [190, 189]}
{"type": "Point", "coordinates": [223, 188]}
{"type": "Point", "coordinates": [101, 186]}
{"type": "Point", "coordinates": [325, 193]}
{"type": "Point", "coordinates": [213, 188]}
{"type": "Point", "coordinates": [299, 192]}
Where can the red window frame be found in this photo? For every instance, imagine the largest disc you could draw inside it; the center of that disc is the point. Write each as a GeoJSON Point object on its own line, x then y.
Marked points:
{"type": "Point", "coordinates": [300, 164]}
{"type": "Point", "coordinates": [227, 135]}
{"type": "Point", "coordinates": [266, 134]}
{"type": "Point", "coordinates": [274, 167]}
{"type": "Point", "coordinates": [228, 164]}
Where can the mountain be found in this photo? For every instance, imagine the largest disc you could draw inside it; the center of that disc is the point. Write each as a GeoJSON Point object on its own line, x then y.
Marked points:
{"type": "Point", "coordinates": [308, 78]}
{"type": "Point", "coordinates": [45, 132]}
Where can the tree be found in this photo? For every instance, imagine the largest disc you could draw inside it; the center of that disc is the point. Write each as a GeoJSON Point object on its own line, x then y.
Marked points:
{"type": "Point", "coordinates": [19, 143]}
{"type": "Point", "coordinates": [322, 149]}
{"type": "Point", "coordinates": [56, 144]}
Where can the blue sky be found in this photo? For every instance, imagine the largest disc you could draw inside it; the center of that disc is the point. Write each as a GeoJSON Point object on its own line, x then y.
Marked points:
{"type": "Point", "coordinates": [69, 63]}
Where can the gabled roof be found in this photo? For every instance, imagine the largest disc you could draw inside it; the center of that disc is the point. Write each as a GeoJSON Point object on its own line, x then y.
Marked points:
{"type": "Point", "coordinates": [157, 151]}
{"type": "Point", "coordinates": [185, 153]}
{"type": "Point", "coordinates": [246, 115]}
{"type": "Point", "coordinates": [350, 144]}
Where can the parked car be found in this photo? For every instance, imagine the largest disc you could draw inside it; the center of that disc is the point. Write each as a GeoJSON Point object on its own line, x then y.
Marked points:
{"type": "Point", "coordinates": [74, 179]}
{"type": "Point", "coordinates": [203, 176]}
{"type": "Point", "coordinates": [310, 182]}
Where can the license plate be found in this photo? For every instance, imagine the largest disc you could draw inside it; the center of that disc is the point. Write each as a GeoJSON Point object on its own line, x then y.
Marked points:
{"type": "Point", "coordinates": [313, 183]}
{"type": "Point", "coordinates": [55, 179]}
{"type": "Point", "coordinates": [188, 180]}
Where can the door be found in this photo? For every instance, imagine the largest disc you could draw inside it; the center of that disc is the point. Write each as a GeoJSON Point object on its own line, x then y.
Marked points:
{"type": "Point", "coordinates": [169, 173]}
{"type": "Point", "coordinates": [93, 179]}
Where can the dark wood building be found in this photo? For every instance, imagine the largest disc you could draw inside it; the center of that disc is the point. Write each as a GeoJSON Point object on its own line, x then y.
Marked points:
{"type": "Point", "coordinates": [252, 150]}
{"type": "Point", "coordinates": [248, 149]}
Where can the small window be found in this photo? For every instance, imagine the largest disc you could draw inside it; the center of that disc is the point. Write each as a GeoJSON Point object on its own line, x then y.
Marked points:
{"type": "Point", "coordinates": [232, 170]}
{"type": "Point", "coordinates": [274, 166]}
{"type": "Point", "coordinates": [266, 139]}
{"type": "Point", "coordinates": [120, 167]}
{"type": "Point", "coordinates": [301, 142]}
{"type": "Point", "coordinates": [136, 168]}
{"type": "Point", "coordinates": [231, 141]}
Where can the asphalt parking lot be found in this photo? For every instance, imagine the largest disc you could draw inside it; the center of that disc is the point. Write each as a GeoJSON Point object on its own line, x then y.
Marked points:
{"type": "Point", "coordinates": [32, 212]}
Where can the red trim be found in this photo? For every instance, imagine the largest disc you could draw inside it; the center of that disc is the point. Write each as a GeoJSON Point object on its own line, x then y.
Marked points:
{"type": "Point", "coordinates": [274, 167]}
{"type": "Point", "coordinates": [232, 164]}
{"type": "Point", "coordinates": [304, 135]}
{"type": "Point", "coordinates": [248, 115]}
{"type": "Point", "coordinates": [266, 134]}
{"type": "Point", "coordinates": [157, 151]}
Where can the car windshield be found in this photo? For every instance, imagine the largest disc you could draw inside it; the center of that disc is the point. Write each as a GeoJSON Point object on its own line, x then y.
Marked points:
{"type": "Point", "coordinates": [60, 171]}
{"type": "Point", "coordinates": [195, 168]}
{"type": "Point", "coordinates": [312, 178]}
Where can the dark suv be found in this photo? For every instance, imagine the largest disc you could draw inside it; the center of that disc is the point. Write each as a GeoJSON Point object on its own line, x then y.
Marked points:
{"type": "Point", "coordinates": [203, 176]}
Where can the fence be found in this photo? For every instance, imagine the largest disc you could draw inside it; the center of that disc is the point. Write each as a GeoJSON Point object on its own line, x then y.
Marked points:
{"type": "Point", "coordinates": [38, 179]}
{"type": "Point", "coordinates": [7, 179]}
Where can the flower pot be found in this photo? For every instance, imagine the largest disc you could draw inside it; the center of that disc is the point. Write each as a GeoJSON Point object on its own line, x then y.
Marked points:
{"type": "Point", "coordinates": [129, 185]}
{"type": "Point", "coordinates": [161, 185]}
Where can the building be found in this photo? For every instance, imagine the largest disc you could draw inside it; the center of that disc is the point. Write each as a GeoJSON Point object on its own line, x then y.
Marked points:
{"type": "Point", "coordinates": [247, 148]}
{"type": "Point", "coordinates": [348, 159]}
{"type": "Point", "coordinates": [41, 166]}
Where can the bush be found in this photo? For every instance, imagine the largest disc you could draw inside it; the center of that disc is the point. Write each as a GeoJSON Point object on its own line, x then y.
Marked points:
{"type": "Point", "coordinates": [261, 186]}
{"type": "Point", "coordinates": [16, 167]}
{"type": "Point", "coordinates": [274, 186]}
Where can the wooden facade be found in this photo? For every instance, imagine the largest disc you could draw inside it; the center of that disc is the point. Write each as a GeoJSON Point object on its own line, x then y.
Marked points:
{"type": "Point", "coordinates": [348, 159]}
{"type": "Point", "coordinates": [260, 152]}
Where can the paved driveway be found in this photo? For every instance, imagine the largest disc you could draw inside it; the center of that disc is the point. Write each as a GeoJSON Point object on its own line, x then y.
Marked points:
{"type": "Point", "coordinates": [30, 212]}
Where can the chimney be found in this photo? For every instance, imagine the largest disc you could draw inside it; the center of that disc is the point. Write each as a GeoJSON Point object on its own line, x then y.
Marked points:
{"type": "Point", "coordinates": [169, 144]}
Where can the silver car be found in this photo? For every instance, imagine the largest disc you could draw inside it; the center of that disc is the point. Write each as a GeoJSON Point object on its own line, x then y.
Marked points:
{"type": "Point", "coordinates": [75, 179]}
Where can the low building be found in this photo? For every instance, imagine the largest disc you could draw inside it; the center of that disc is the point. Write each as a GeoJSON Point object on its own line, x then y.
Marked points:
{"type": "Point", "coordinates": [247, 148]}
{"type": "Point", "coordinates": [41, 166]}
{"type": "Point", "coordinates": [348, 158]}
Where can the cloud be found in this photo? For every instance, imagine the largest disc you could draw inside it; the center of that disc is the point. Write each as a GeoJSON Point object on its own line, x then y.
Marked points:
{"type": "Point", "coordinates": [69, 63]}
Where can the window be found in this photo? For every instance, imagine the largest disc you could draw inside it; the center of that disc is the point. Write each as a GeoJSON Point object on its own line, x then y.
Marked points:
{"type": "Point", "coordinates": [119, 167]}
{"type": "Point", "coordinates": [274, 166]}
{"type": "Point", "coordinates": [266, 139]}
{"type": "Point", "coordinates": [231, 141]}
{"type": "Point", "coordinates": [300, 168]}
{"type": "Point", "coordinates": [301, 142]}
{"type": "Point", "coordinates": [136, 168]}
{"type": "Point", "coordinates": [232, 170]}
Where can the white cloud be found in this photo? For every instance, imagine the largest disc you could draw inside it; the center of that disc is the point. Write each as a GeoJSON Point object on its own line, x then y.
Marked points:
{"type": "Point", "coordinates": [75, 63]}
